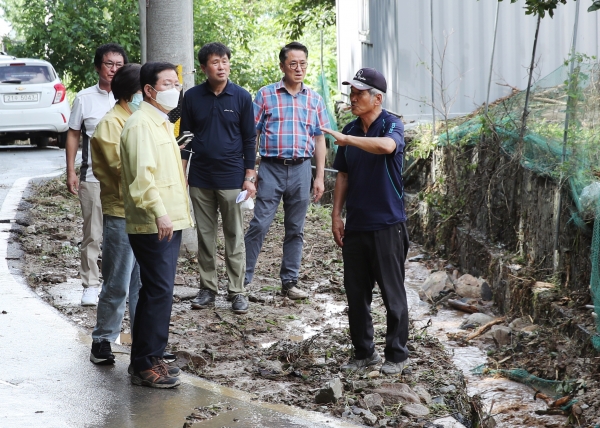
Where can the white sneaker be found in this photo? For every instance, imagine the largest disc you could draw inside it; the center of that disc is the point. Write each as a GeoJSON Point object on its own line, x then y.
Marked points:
{"type": "Point", "coordinates": [90, 296]}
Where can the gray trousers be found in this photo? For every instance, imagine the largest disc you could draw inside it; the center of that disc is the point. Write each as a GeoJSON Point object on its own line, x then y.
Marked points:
{"type": "Point", "coordinates": [207, 203]}
{"type": "Point", "coordinates": [277, 182]}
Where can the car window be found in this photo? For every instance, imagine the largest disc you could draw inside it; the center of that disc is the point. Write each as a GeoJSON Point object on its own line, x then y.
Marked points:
{"type": "Point", "coordinates": [26, 74]}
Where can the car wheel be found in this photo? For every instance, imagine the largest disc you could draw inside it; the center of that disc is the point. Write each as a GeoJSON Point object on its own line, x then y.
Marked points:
{"type": "Point", "coordinates": [40, 140]}
{"type": "Point", "coordinates": [61, 140]}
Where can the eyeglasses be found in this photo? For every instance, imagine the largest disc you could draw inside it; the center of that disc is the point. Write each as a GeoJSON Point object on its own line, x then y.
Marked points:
{"type": "Point", "coordinates": [170, 85]}
{"type": "Point", "coordinates": [110, 65]}
{"type": "Point", "coordinates": [294, 65]}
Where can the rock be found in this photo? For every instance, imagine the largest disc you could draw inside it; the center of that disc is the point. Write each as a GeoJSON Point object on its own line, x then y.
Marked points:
{"type": "Point", "coordinates": [447, 389]}
{"type": "Point", "coordinates": [332, 392]}
{"type": "Point", "coordinates": [357, 410]}
{"type": "Point", "coordinates": [184, 293]}
{"type": "Point", "coordinates": [479, 319]}
{"type": "Point", "coordinates": [475, 321]}
{"type": "Point", "coordinates": [468, 286]}
{"type": "Point", "coordinates": [438, 400]}
{"type": "Point", "coordinates": [434, 284]}
{"type": "Point", "coordinates": [501, 335]}
{"type": "Point", "coordinates": [30, 230]}
{"type": "Point", "coordinates": [523, 325]}
{"type": "Point", "coordinates": [55, 278]}
{"type": "Point", "coordinates": [62, 236]}
{"type": "Point", "coordinates": [359, 385]}
{"type": "Point", "coordinates": [369, 418]}
{"type": "Point", "coordinates": [185, 358]}
{"type": "Point", "coordinates": [394, 393]}
{"type": "Point", "coordinates": [423, 394]}
{"type": "Point", "coordinates": [374, 402]}
{"type": "Point", "coordinates": [373, 374]}
{"type": "Point", "coordinates": [448, 422]}
{"type": "Point", "coordinates": [383, 423]}
{"type": "Point", "coordinates": [179, 280]}
{"type": "Point", "coordinates": [486, 290]}
{"type": "Point", "coordinates": [415, 410]}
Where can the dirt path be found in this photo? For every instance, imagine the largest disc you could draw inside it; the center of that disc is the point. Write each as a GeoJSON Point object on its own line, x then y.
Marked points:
{"type": "Point", "coordinates": [282, 351]}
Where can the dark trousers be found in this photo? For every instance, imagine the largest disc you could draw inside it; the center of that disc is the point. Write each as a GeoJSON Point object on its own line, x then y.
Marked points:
{"type": "Point", "coordinates": [158, 264]}
{"type": "Point", "coordinates": [369, 257]}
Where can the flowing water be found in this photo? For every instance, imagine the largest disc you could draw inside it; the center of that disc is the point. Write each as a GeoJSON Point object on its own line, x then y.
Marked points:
{"type": "Point", "coordinates": [510, 403]}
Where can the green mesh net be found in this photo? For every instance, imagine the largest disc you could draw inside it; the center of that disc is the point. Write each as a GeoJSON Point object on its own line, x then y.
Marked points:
{"type": "Point", "coordinates": [552, 388]}
{"type": "Point", "coordinates": [542, 147]}
{"type": "Point", "coordinates": [323, 90]}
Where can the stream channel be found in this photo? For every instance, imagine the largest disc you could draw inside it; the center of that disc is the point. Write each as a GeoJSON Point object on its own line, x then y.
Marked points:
{"type": "Point", "coordinates": [510, 403]}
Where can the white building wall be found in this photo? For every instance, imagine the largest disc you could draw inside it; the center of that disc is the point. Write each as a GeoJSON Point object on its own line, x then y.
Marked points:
{"type": "Point", "coordinates": [400, 47]}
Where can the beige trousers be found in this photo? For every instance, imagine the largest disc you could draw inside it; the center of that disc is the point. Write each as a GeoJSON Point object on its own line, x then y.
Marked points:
{"type": "Point", "coordinates": [206, 205]}
{"type": "Point", "coordinates": [91, 210]}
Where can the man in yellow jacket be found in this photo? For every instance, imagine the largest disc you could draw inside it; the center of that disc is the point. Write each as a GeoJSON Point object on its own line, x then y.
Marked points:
{"type": "Point", "coordinates": [156, 210]}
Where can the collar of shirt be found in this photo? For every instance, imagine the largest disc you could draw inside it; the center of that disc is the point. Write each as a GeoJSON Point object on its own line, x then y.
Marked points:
{"type": "Point", "coordinates": [159, 117]}
{"type": "Point", "coordinates": [102, 91]}
{"type": "Point", "coordinates": [205, 88]}
{"type": "Point", "coordinates": [280, 85]}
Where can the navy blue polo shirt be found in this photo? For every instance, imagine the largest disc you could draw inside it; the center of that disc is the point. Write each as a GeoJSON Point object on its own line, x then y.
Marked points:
{"type": "Point", "coordinates": [224, 142]}
{"type": "Point", "coordinates": [375, 190]}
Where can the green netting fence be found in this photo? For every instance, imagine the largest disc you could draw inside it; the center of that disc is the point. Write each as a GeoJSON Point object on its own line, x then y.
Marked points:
{"type": "Point", "coordinates": [541, 148]}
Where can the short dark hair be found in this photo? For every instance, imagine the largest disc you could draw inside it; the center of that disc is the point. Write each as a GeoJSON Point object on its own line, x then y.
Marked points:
{"type": "Point", "coordinates": [107, 48]}
{"type": "Point", "coordinates": [213, 48]}
{"type": "Point", "coordinates": [126, 81]}
{"type": "Point", "coordinates": [149, 72]}
{"type": "Point", "coordinates": [294, 46]}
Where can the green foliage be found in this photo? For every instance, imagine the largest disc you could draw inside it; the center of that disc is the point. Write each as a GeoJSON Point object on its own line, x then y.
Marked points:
{"type": "Point", "coordinates": [540, 7]}
{"type": "Point", "coordinates": [303, 13]}
{"type": "Point", "coordinates": [595, 6]}
{"type": "Point", "coordinates": [255, 31]}
{"type": "Point", "coordinates": [67, 33]}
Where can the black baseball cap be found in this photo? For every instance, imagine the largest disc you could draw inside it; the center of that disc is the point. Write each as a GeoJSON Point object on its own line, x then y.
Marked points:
{"type": "Point", "coordinates": [368, 78]}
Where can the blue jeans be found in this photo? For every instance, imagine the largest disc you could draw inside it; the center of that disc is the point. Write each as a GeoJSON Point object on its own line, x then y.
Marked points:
{"type": "Point", "coordinates": [121, 276]}
{"type": "Point", "coordinates": [276, 182]}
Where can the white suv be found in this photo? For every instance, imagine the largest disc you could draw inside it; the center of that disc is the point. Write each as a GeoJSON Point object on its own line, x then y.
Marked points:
{"type": "Point", "coordinates": [33, 102]}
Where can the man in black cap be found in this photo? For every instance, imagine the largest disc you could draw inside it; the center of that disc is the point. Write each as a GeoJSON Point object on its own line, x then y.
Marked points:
{"type": "Point", "coordinates": [374, 240]}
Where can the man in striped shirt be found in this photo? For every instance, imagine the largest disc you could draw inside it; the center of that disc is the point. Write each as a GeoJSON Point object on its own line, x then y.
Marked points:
{"type": "Point", "coordinates": [289, 117]}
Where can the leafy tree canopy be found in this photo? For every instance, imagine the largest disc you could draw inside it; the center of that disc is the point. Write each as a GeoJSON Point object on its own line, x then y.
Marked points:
{"type": "Point", "coordinates": [67, 33]}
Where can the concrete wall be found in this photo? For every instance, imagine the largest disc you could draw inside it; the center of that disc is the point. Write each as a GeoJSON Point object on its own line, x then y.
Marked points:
{"type": "Point", "coordinates": [399, 41]}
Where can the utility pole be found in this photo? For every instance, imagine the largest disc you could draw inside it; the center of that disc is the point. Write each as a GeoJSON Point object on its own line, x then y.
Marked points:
{"type": "Point", "coordinates": [170, 35]}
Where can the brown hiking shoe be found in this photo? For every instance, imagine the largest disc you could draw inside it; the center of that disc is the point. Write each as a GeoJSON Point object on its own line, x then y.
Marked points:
{"type": "Point", "coordinates": [171, 370]}
{"type": "Point", "coordinates": [156, 376]}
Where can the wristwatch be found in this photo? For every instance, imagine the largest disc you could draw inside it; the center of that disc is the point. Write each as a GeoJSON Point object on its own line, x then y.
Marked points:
{"type": "Point", "coordinates": [250, 179]}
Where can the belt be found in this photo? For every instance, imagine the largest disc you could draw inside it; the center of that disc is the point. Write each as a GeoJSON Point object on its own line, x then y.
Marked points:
{"type": "Point", "coordinates": [282, 161]}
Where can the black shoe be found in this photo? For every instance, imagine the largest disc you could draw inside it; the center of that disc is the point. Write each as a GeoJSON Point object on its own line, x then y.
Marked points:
{"type": "Point", "coordinates": [101, 353]}
{"type": "Point", "coordinates": [204, 299]}
{"type": "Point", "coordinates": [168, 357]}
{"type": "Point", "coordinates": [239, 304]}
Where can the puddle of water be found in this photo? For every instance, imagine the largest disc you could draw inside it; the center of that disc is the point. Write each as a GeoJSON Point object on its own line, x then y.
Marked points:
{"type": "Point", "coordinates": [511, 403]}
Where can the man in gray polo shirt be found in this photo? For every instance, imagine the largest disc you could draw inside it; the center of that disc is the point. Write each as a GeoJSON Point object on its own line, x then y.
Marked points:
{"type": "Point", "coordinates": [90, 105]}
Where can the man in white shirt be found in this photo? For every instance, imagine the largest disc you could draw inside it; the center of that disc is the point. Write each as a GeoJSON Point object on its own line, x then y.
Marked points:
{"type": "Point", "coordinates": [90, 105]}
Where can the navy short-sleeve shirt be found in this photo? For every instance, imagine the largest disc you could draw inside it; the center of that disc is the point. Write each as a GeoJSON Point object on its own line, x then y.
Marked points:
{"type": "Point", "coordinates": [375, 190]}
{"type": "Point", "coordinates": [224, 141]}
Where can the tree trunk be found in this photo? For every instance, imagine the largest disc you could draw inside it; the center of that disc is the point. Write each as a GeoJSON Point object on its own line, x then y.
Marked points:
{"type": "Point", "coordinates": [170, 35]}
{"type": "Point", "coordinates": [525, 108]}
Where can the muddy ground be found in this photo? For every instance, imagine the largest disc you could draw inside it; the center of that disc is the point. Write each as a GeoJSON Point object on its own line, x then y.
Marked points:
{"type": "Point", "coordinates": [281, 351]}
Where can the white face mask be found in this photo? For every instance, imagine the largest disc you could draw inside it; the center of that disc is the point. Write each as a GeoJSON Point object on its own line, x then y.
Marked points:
{"type": "Point", "coordinates": [168, 99]}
